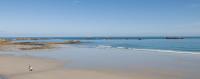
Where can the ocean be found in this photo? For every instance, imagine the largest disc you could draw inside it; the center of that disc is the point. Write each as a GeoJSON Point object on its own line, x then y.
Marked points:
{"type": "Point", "coordinates": [188, 44]}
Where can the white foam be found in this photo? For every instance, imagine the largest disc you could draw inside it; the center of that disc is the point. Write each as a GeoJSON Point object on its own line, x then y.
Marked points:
{"type": "Point", "coordinates": [168, 51]}
{"type": "Point", "coordinates": [103, 46]}
{"type": "Point", "coordinates": [120, 47]}
{"type": "Point", "coordinates": [152, 50]}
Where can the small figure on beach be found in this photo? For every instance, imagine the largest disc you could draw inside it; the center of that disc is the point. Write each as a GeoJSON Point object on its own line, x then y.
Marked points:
{"type": "Point", "coordinates": [30, 68]}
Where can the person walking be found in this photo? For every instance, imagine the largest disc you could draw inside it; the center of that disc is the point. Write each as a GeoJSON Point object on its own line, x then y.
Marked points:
{"type": "Point", "coordinates": [30, 68]}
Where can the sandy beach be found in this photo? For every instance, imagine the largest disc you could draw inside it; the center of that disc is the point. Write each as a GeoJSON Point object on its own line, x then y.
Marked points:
{"type": "Point", "coordinates": [13, 67]}
{"type": "Point", "coordinates": [99, 63]}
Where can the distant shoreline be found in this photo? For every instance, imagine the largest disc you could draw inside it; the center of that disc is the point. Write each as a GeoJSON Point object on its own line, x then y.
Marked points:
{"type": "Point", "coordinates": [107, 38]}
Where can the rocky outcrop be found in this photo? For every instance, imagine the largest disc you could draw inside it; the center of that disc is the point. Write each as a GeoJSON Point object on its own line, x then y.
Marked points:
{"type": "Point", "coordinates": [6, 44]}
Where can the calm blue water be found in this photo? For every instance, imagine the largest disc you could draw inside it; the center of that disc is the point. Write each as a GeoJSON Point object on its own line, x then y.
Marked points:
{"type": "Point", "coordinates": [161, 44]}
{"type": "Point", "coordinates": [191, 44]}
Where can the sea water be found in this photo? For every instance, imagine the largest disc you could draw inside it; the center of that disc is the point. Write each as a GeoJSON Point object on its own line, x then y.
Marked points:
{"type": "Point", "coordinates": [188, 44]}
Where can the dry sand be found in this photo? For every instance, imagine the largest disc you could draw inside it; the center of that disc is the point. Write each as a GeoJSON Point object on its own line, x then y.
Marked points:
{"type": "Point", "coordinates": [12, 67]}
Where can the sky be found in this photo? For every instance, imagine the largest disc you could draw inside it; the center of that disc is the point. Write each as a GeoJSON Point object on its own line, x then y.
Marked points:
{"type": "Point", "coordinates": [99, 18]}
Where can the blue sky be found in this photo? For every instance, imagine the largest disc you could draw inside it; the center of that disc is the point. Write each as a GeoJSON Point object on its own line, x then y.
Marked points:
{"type": "Point", "coordinates": [99, 17]}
